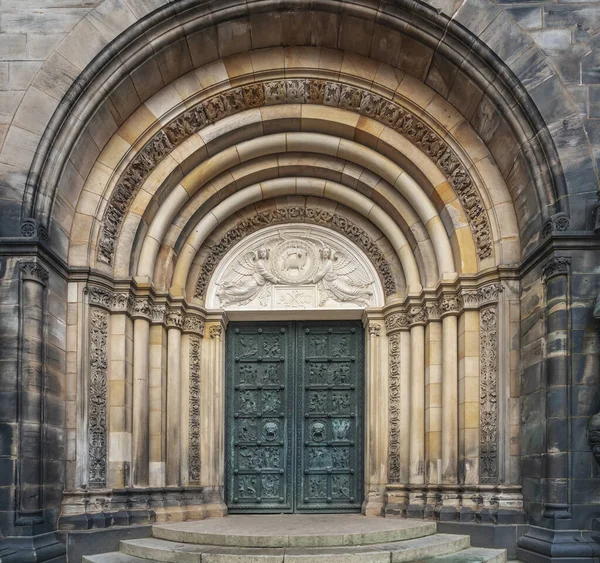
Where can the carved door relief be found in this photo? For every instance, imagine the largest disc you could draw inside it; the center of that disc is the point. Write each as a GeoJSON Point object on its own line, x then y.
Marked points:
{"type": "Point", "coordinates": [294, 420]}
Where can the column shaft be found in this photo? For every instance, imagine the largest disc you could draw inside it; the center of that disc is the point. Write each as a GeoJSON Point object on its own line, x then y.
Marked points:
{"type": "Point", "coordinates": [417, 405]}
{"type": "Point", "coordinates": [450, 400]}
{"type": "Point", "coordinates": [173, 406]}
{"type": "Point", "coordinates": [141, 412]}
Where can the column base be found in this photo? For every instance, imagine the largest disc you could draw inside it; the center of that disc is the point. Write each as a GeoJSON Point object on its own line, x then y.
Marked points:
{"type": "Point", "coordinates": [374, 504]}
{"type": "Point", "coordinates": [44, 548]}
{"type": "Point", "coordinates": [544, 545]}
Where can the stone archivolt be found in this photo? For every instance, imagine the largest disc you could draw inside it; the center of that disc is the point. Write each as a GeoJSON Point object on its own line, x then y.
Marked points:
{"type": "Point", "coordinates": [308, 91]}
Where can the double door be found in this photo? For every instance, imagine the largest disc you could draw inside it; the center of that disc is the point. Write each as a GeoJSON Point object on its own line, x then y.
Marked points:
{"type": "Point", "coordinates": [294, 417]}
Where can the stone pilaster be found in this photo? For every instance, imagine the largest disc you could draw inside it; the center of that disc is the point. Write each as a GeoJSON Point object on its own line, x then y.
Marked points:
{"type": "Point", "coordinates": [376, 416]}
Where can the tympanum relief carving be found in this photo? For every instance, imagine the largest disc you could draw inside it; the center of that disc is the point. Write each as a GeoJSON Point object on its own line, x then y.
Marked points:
{"type": "Point", "coordinates": [295, 267]}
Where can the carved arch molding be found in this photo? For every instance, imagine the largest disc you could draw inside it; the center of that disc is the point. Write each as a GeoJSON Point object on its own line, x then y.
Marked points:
{"type": "Point", "coordinates": [309, 91]}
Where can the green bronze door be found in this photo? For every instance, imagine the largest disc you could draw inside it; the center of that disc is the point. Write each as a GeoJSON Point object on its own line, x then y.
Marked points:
{"type": "Point", "coordinates": [295, 417]}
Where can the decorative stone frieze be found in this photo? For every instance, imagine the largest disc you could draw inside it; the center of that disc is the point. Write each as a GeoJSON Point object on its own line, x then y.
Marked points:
{"type": "Point", "coordinates": [194, 408]}
{"type": "Point", "coordinates": [34, 272]}
{"type": "Point", "coordinates": [295, 215]}
{"type": "Point", "coordinates": [97, 400]}
{"type": "Point", "coordinates": [294, 91]}
{"type": "Point", "coordinates": [488, 389]}
{"type": "Point", "coordinates": [556, 266]}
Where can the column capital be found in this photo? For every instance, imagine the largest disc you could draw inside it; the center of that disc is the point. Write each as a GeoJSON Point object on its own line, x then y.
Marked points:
{"type": "Point", "coordinates": [397, 321]}
{"type": "Point", "coordinates": [556, 266]}
{"type": "Point", "coordinates": [449, 304]}
{"type": "Point", "coordinates": [418, 315]}
{"type": "Point", "coordinates": [32, 271]}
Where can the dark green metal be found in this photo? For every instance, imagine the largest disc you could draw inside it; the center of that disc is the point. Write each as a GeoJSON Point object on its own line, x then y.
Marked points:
{"type": "Point", "coordinates": [295, 417]}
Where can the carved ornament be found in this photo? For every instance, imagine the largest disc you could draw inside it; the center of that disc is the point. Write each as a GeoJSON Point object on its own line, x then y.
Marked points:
{"type": "Point", "coordinates": [296, 215]}
{"type": "Point", "coordinates": [34, 272]}
{"type": "Point", "coordinates": [295, 266]}
{"type": "Point", "coordinates": [556, 266]}
{"type": "Point", "coordinates": [294, 91]}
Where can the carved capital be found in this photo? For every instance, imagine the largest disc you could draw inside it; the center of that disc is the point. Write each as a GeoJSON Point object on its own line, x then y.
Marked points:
{"type": "Point", "coordinates": [397, 321]}
{"type": "Point", "coordinates": [193, 323]}
{"type": "Point", "coordinates": [489, 293]}
{"type": "Point", "coordinates": [469, 299]}
{"type": "Point", "coordinates": [418, 315]}
{"type": "Point", "coordinates": [100, 296]}
{"type": "Point", "coordinates": [556, 266]}
{"type": "Point", "coordinates": [374, 329]}
{"type": "Point", "coordinates": [174, 319]}
{"type": "Point", "coordinates": [143, 308]}
{"type": "Point", "coordinates": [158, 313]}
{"type": "Point", "coordinates": [215, 331]}
{"type": "Point", "coordinates": [33, 271]}
{"type": "Point", "coordinates": [434, 311]}
{"type": "Point", "coordinates": [450, 304]}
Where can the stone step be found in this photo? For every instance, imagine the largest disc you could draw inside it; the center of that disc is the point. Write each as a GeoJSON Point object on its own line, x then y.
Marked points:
{"type": "Point", "coordinates": [293, 530]}
{"type": "Point", "coordinates": [468, 555]}
{"type": "Point", "coordinates": [154, 549]}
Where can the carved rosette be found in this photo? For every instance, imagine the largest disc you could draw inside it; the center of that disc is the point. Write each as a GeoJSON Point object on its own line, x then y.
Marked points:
{"type": "Point", "coordinates": [194, 411]}
{"type": "Point", "coordinates": [97, 402]}
{"type": "Point", "coordinates": [394, 412]}
{"type": "Point", "coordinates": [559, 222]}
{"type": "Point", "coordinates": [488, 386]}
{"type": "Point", "coordinates": [296, 215]}
{"type": "Point", "coordinates": [33, 271]}
{"type": "Point", "coordinates": [295, 91]}
{"type": "Point", "coordinates": [31, 228]}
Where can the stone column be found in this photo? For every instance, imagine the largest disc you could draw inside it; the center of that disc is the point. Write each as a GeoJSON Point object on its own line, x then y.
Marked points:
{"type": "Point", "coordinates": [141, 406]}
{"type": "Point", "coordinates": [556, 456]}
{"type": "Point", "coordinates": [174, 323]}
{"type": "Point", "coordinates": [212, 415]}
{"type": "Point", "coordinates": [417, 412]}
{"type": "Point", "coordinates": [449, 476]}
{"type": "Point", "coordinates": [157, 405]}
{"type": "Point", "coordinates": [397, 326]}
{"type": "Point", "coordinates": [30, 474]}
{"type": "Point", "coordinates": [376, 419]}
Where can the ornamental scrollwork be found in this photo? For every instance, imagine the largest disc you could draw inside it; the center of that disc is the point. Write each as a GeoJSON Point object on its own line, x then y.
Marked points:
{"type": "Point", "coordinates": [97, 406]}
{"type": "Point", "coordinates": [397, 321]}
{"type": "Point", "coordinates": [295, 215]}
{"type": "Point", "coordinates": [488, 414]}
{"type": "Point", "coordinates": [294, 91]}
{"type": "Point", "coordinates": [194, 410]}
{"type": "Point", "coordinates": [394, 412]}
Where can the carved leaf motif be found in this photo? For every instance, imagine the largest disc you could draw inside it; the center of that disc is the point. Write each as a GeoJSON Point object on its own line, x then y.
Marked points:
{"type": "Point", "coordinates": [488, 422]}
{"type": "Point", "coordinates": [194, 411]}
{"type": "Point", "coordinates": [97, 408]}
